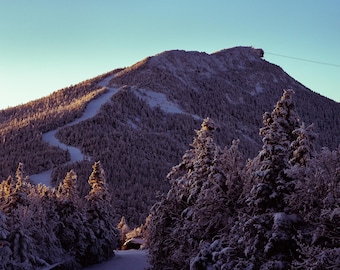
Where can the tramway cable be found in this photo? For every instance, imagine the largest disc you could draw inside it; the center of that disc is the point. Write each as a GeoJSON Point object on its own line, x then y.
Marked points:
{"type": "Point", "coordinates": [302, 59]}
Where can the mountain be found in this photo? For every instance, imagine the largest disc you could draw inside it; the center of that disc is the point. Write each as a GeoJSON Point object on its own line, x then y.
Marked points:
{"type": "Point", "coordinates": [150, 120]}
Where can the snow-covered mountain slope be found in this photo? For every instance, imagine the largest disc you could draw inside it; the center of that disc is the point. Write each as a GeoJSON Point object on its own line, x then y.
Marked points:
{"type": "Point", "coordinates": [148, 124]}
{"type": "Point", "coordinates": [238, 71]}
{"type": "Point", "coordinates": [228, 85]}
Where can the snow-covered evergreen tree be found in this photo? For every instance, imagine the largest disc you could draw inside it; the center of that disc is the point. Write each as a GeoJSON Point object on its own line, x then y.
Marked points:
{"type": "Point", "coordinates": [68, 188]}
{"type": "Point", "coordinates": [303, 167]}
{"type": "Point", "coordinates": [233, 165]}
{"type": "Point", "coordinates": [271, 182]}
{"type": "Point", "coordinates": [5, 249]}
{"type": "Point", "coordinates": [15, 192]}
{"type": "Point", "coordinates": [73, 230]}
{"type": "Point", "coordinates": [318, 200]}
{"type": "Point", "coordinates": [7, 187]}
{"type": "Point", "coordinates": [303, 149]}
{"type": "Point", "coordinates": [101, 217]}
{"type": "Point", "coordinates": [123, 229]}
{"type": "Point", "coordinates": [221, 207]}
{"type": "Point", "coordinates": [269, 232]}
{"type": "Point", "coordinates": [197, 207]}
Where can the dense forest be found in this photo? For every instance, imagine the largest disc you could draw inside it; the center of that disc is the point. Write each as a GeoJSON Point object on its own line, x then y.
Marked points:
{"type": "Point", "coordinates": [279, 210]}
{"type": "Point", "coordinates": [137, 139]}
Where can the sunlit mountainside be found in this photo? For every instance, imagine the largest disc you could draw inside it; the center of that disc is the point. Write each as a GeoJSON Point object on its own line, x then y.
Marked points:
{"type": "Point", "coordinates": [149, 122]}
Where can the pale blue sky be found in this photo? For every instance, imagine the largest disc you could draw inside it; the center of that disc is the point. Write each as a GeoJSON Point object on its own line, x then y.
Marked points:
{"type": "Point", "coordinates": [48, 45]}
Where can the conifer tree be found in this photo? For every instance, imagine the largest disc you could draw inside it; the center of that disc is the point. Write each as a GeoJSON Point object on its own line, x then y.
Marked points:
{"type": "Point", "coordinates": [68, 189]}
{"type": "Point", "coordinates": [303, 149]}
{"type": "Point", "coordinates": [303, 166]}
{"type": "Point", "coordinates": [277, 136]}
{"type": "Point", "coordinates": [196, 208]}
{"type": "Point", "coordinates": [6, 188]}
{"type": "Point", "coordinates": [15, 192]}
{"type": "Point", "coordinates": [5, 249]}
{"type": "Point", "coordinates": [101, 217]}
{"type": "Point", "coordinates": [72, 229]}
{"type": "Point", "coordinates": [123, 229]}
{"type": "Point", "coordinates": [317, 198]}
{"type": "Point", "coordinates": [271, 228]}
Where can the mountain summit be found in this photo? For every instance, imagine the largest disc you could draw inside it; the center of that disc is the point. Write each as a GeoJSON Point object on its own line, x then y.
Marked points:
{"type": "Point", "coordinates": [149, 121]}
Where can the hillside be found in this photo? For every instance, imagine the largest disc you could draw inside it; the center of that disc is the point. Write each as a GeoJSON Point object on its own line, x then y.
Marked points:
{"type": "Point", "coordinates": [150, 121]}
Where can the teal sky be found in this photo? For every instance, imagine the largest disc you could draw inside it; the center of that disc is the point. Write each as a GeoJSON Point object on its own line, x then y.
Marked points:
{"type": "Point", "coordinates": [48, 45]}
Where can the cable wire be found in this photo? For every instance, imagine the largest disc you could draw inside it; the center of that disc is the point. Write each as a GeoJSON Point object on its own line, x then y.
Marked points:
{"type": "Point", "coordinates": [302, 59]}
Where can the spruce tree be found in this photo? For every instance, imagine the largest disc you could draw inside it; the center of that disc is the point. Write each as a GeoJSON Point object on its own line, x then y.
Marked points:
{"type": "Point", "coordinates": [318, 199]}
{"type": "Point", "coordinates": [68, 189]}
{"type": "Point", "coordinates": [277, 135]}
{"type": "Point", "coordinates": [5, 245]}
{"type": "Point", "coordinates": [15, 192]}
{"type": "Point", "coordinates": [197, 207]}
{"type": "Point", "coordinates": [101, 217]}
{"type": "Point", "coordinates": [303, 148]}
{"type": "Point", "coordinates": [269, 240]}
{"type": "Point", "coordinates": [72, 229]}
{"type": "Point", "coordinates": [123, 229]}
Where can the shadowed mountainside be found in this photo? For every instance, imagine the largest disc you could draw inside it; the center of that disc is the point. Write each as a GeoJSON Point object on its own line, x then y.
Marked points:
{"type": "Point", "coordinates": [150, 122]}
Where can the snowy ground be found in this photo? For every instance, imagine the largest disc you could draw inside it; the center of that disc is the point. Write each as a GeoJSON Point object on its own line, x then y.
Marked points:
{"type": "Point", "coordinates": [124, 260]}
{"type": "Point", "coordinates": [75, 153]}
{"type": "Point", "coordinates": [155, 99]}
{"type": "Point", "coordinates": [43, 178]}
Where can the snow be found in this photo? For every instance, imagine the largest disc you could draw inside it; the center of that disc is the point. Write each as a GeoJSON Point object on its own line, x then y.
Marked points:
{"type": "Point", "coordinates": [43, 178]}
{"type": "Point", "coordinates": [105, 82]}
{"type": "Point", "coordinates": [50, 266]}
{"type": "Point", "coordinates": [94, 106]}
{"type": "Point", "coordinates": [134, 240]}
{"type": "Point", "coordinates": [75, 153]}
{"type": "Point", "coordinates": [229, 99]}
{"type": "Point", "coordinates": [258, 90]}
{"type": "Point", "coordinates": [160, 100]}
{"type": "Point", "coordinates": [132, 124]}
{"type": "Point", "coordinates": [124, 260]}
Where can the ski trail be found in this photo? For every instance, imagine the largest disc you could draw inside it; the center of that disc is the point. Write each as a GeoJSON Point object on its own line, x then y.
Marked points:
{"type": "Point", "coordinates": [75, 153]}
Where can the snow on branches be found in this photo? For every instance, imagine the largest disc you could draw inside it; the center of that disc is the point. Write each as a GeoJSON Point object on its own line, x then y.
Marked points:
{"type": "Point", "coordinates": [280, 211]}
